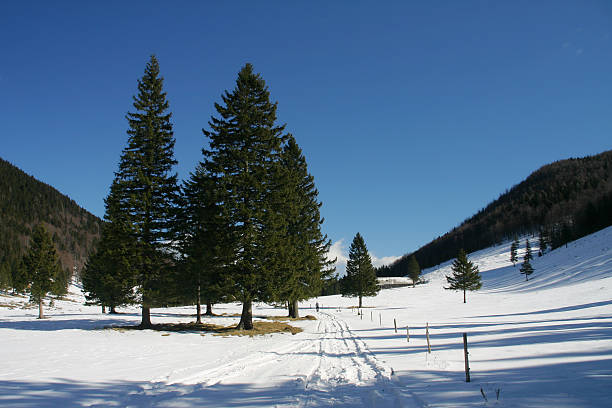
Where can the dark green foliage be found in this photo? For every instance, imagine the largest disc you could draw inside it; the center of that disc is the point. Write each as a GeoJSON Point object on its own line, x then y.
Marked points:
{"type": "Point", "coordinates": [465, 275]}
{"type": "Point", "coordinates": [42, 267]}
{"type": "Point", "coordinates": [26, 202]}
{"type": "Point", "coordinates": [244, 148]}
{"type": "Point", "coordinates": [528, 253]}
{"type": "Point", "coordinates": [526, 268]}
{"type": "Point", "coordinates": [146, 189]}
{"type": "Point", "coordinates": [568, 199]}
{"type": "Point", "coordinates": [543, 240]}
{"type": "Point", "coordinates": [204, 242]}
{"type": "Point", "coordinates": [109, 277]}
{"type": "Point", "coordinates": [360, 279]}
{"type": "Point", "coordinates": [513, 251]}
{"type": "Point", "coordinates": [414, 270]}
{"type": "Point", "coordinates": [301, 258]}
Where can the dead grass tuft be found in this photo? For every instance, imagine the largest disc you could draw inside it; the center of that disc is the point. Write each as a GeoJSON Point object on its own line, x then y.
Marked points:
{"type": "Point", "coordinates": [260, 328]}
{"type": "Point", "coordinates": [293, 319]}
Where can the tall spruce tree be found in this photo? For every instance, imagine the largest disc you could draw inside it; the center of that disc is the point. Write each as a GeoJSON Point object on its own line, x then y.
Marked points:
{"type": "Point", "coordinates": [465, 275]}
{"type": "Point", "coordinates": [528, 253]}
{"type": "Point", "coordinates": [414, 270]}
{"type": "Point", "coordinates": [147, 189]}
{"type": "Point", "coordinates": [244, 147]}
{"type": "Point", "coordinates": [42, 267]}
{"type": "Point", "coordinates": [360, 279]}
{"type": "Point", "coordinates": [513, 251]}
{"type": "Point", "coordinates": [301, 262]}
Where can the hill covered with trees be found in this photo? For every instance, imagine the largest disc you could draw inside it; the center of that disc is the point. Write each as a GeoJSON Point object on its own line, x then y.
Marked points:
{"type": "Point", "coordinates": [25, 202]}
{"type": "Point", "coordinates": [562, 201]}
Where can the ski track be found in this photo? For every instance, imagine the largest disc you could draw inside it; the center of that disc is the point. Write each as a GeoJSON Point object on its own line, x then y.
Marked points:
{"type": "Point", "coordinates": [343, 372]}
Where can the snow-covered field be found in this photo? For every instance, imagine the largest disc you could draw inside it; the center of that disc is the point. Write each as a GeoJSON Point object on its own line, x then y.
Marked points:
{"type": "Point", "coordinates": [542, 343]}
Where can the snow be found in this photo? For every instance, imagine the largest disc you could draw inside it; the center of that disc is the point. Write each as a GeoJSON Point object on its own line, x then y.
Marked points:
{"type": "Point", "coordinates": [542, 343]}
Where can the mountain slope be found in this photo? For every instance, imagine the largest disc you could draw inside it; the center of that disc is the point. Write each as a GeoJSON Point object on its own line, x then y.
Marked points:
{"type": "Point", "coordinates": [24, 202]}
{"type": "Point", "coordinates": [567, 200]}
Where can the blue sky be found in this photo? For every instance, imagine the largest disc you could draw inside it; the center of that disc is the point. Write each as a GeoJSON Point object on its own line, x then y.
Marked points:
{"type": "Point", "coordinates": [412, 115]}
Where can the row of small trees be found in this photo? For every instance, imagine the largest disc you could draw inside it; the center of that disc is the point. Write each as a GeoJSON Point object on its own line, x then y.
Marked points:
{"type": "Point", "coordinates": [245, 226]}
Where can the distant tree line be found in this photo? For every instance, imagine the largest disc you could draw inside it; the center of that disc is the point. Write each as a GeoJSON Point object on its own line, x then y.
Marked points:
{"type": "Point", "coordinates": [26, 202]}
{"type": "Point", "coordinates": [562, 201]}
{"type": "Point", "coordinates": [244, 227]}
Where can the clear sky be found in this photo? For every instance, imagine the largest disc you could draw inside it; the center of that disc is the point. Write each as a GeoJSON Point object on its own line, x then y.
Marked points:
{"type": "Point", "coordinates": [412, 115]}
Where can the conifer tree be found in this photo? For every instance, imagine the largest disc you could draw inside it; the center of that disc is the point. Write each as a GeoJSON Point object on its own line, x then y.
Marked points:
{"type": "Point", "coordinates": [526, 268]}
{"type": "Point", "coordinates": [528, 254]}
{"type": "Point", "coordinates": [360, 279]}
{"type": "Point", "coordinates": [108, 277]}
{"type": "Point", "coordinates": [465, 275]}
{"type": "Point", "coordinates": [245, 144]}
{"type": "Point", "coordinates": [42, 267]}
{"type": "Point", "coordinates": [414, 270]}
{"type": "Point", "coordinates": [204, 242]}
{"type": "Point", "coordinates": [147, 190]}
{"type": "Point", "coordinates": [300, 260]}
{"type": "Point", "coordinates": [513, 251]}
{"type": "Point", "coordinates": [543, 241]}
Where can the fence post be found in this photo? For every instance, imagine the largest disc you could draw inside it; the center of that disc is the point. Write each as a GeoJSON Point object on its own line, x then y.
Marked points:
{"type": "Point", "coordinates": [395, 324]}
{"type": "Point", "coordinates": [407, 335]}
{"type": "Point", "coordinates": [427, 335]}
{"type": "Point", "coordinates": [467, 363]}
{"type": "Point", "coordinates": [379, 319]}
{"type": "Point", "coordinates": [371, 316]}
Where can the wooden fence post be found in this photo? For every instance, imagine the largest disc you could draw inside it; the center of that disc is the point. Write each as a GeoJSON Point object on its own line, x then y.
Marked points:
{"type": "Point", "coordinates": [379, 319]}
{"type": "Point", "coordinates": [467, 363]}
{"type": "Point", "coordinates": [427, 335]}
{"type": "Point", "coordinates": [407, 334]}
{"type": "Point", "coordinates": [395, 324]}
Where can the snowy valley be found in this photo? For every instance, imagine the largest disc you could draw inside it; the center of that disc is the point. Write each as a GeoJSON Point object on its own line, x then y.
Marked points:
{"type": "Point", "coordinates": [542, 343]}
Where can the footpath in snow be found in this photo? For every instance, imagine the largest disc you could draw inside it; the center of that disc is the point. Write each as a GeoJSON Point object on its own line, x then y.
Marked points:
{"type": "Point", "coordinates": [542, 343]}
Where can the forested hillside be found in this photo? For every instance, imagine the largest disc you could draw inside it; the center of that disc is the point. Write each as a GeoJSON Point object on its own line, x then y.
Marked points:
{"type": "Point", "coordinates": [563, 201]}
{"type": "Point", "coordinates": [24, 202]}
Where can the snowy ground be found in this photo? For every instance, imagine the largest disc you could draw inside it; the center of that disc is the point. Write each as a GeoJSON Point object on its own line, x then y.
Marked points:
{"type": "Point", "coordinates": [542, 343]}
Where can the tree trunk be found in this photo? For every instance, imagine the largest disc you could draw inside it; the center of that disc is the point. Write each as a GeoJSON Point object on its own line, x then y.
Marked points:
{"type": "Point", "coordinates": [360, 303]}
{"type": "Point", "coordinates": [40, 309]}
{"type": "Point", "coordinates": [103, 309]}
{"type": "Point", "coordinates": [290, 309]}
{"type": "Point", "coordinates": [209, 311]}
{"type": "Point", "coordinates": [146, 317]}
{"type": "Point", "coordinates": [463, 295]}
{"type": "Point", "coordinates": [198, 307]}
{"type": "Point", "coordinates": [112, 310]}
{"type": "Point", "coordinates": [246, 319]}
{"type": "Point", "coordinates": [293, 309]}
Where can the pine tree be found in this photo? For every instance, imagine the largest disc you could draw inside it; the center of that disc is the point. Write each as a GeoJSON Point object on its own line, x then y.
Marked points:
{"type": "Point", "coordinates": [414, 270]}
{"type": "Point", "coordinates": [360, 279]}
{"type": "Point", "coordinates": [42, 267]}
{"type": "Point", "coordinates": [204, 242]}
{"type": "Point", "coordinates": [301, 262]}
{"type": "Point", "coordinates": [513, 251]}
{"type": "Point", "coordinates": [245, 144]}
{"type": "Point", "coordinates": [528, 254]}
{"type": "Point", "coordinates": [108, 277]}
{"type": "Point", "coordinates": [465, 275]}
{"type": "Point", "coordinates": [147, 190]}
{"type": "Point", "coordinates": [526, 268]}
{"type": "Point", "coordinates": [543, 241]}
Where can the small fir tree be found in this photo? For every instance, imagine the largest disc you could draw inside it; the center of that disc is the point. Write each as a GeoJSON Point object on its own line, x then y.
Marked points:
{"type": "Point", "coordinates": [528, 253]}
{"type": "Point", "coordinates": [526, 268]}
{"type": "Point", "coordinates": [360, 279]}
{"type": "Point", "coordinates": [465, 275]}
{"type": "Point", "coordinates": [414, 270]}
{"type": "Point", "coordinates": [543, 242]}
{"type": "Point", "coordinates": [42, 267]}
{"type": "Point", "coordinates": [513, 251]}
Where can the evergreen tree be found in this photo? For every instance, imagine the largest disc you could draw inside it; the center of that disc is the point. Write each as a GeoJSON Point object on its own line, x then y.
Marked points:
{"type": "Point", "coordinates": [147, 190]}
{"type": "Point", "coordinates": [204, 242]}
{"type": "Point", "coordinates": [526, 268]}
{"type": "Point", "coordinates": [245, 144]}
{"type": "Point", "coordinates": [465, 275]}
{"type": "Point", "coordinates": [513, 251]}
{"type": "Point", "coordinates": [360, 279]}
{"type": "Point", "coordinates": [414, 270]}
{"type": "Point", "coordinates": [108, 277]}
{"type": "Point", "coordinates": [42, 267]}
{"type": "Point", "coordinates": [543, 241]}
{"type": "Point", "coordinates": [301, 262]}
{"type": "Point", "coordinates": [528, 254]}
